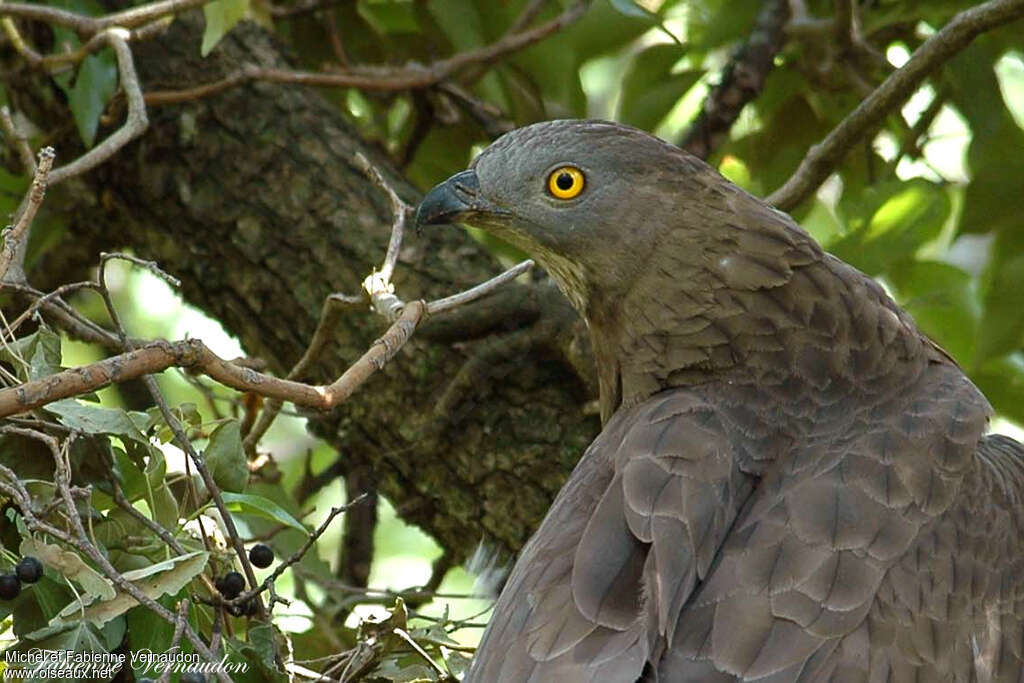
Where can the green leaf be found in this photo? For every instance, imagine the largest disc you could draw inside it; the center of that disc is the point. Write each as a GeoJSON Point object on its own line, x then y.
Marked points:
{"type": "Point", "coordinates": [554, 65]}
{"type": "Point", "coordinates": [96, 420]}
{"type": "Point", "coordinates": [147, 630]}
{"type": "Point", "coordinates": [258, 652]}
{"type": "Point", "coordinates": [631, 9]}
{"type": "Point", "coordinates": [944, 303]}
{"type": "Point", "coordinates": [95, 84]}
{"type": "Point", "coordinates": [163, 578]}
{"type": "Point", "coordinates": [46, 356]}
{"type": "Point", "coordinates": [909, 217]}
{"type": "Point", "coordinates": [404, 669]}
{"type": "Point", "coordinates": [993, 194]}
{"type": "Point", "coordinates": [389, 16]}
{"type": "Point", "coordinates": [221, 17]}
{"type": "Point", "coordinates": [135, 482]}
{"type": "Point", "coordinates": [1002, 382]}
{"type": "Point", "coordinates": [1002, 327]}
{"type": "Point", "coordinates": [35, 355]}
{"type": "Point", "coordinates": [650, 89]}
{"type": "Point", "coordinates": [74, 636]}
{"type": "Point", "coordinates": [70, 565]}
{"type": "Point", "coordinates": [457, 663]}
{"type": "Point", "coordinates": [715, 23]}
{"type": "Point", "coordinates": [261, 640]}
{"type": "Point", "coordinates": [50, 596]}
{"type": "Point", "coordinates": [225, 459]}
{"type": "Point", "coordinates": [116, 527]}
{"type": "Point", "coordinates": [165, 507]}
{"type": "Point", "coordinates": [248, 503]}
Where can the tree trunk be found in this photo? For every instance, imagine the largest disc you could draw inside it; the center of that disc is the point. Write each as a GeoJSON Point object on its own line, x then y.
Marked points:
{"type": "Point", "coordinates": [252, 199]}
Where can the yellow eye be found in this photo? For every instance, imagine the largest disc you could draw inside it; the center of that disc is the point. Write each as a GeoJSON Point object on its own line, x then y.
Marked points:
{"type": "Point", "coordinates": [565, 182]}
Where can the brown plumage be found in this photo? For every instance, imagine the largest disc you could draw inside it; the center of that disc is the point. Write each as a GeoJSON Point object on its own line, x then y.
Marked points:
{"type": "Point", "coordinates": [792, 482]}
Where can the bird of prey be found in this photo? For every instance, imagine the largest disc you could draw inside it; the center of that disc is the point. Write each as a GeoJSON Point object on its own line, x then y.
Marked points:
{"type": "Point", "coordinates": [792, 482]}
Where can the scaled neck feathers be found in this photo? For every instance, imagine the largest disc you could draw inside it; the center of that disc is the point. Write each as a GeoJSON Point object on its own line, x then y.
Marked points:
{"type": "Point", "coordinates": [758, 304]}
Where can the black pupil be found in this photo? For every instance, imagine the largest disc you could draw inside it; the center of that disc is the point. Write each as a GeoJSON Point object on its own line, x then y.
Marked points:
{"type": "Point", "coordinates": [564, 181]}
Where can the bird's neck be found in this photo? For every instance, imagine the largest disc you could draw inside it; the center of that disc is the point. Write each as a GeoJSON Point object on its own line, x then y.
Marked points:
{"type": "Point", "coordinates": [825, 329]}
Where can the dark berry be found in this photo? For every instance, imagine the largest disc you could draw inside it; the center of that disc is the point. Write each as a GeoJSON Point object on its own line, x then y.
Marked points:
{"type": "Point", "coordinates": [192, 677]}
{"type": "Point", "coordinates": [261, 555]}
{"type": "Point", "coordinates": [249, 608]}
{"type": "Point", "coordinates": [10, 586]}
{"type": "Point", "coordinates": [230, 585]}
{"type": "Point", "coordinates": [29, 570]}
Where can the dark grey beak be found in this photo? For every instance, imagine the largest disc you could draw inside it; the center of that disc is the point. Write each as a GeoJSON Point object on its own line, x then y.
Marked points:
{"type": "Point", "coordinates": [450, 201]}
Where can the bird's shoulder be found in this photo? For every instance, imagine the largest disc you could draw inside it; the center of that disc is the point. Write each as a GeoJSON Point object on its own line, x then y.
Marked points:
{"type": "Point", "coordinates": [662, 474]}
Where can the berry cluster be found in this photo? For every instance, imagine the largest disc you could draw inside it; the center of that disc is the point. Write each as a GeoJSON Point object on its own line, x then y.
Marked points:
{"type": "Point", "coordinates": [28, 570]}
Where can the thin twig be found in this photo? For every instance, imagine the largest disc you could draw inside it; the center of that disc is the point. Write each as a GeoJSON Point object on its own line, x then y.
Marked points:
{"type": "Point", "coordinates": [21, 45]}
{"type": "Point", "coordinates": [399, 208]}
{"type": "Point", "coordinates": [822, 158]}
{"type": "Point", "coordinates": [909, 145]}
{"type": "Point", "coordinates": [473, 293]}
{"type": "Point", "coordinates": [193, 354]}
{"type": "Point", "coordinates": [525, 18]}
{"type": "Point", "coordinates": [149, 265]}
{"type": "Point", "coordinates": [174, 423]}
{"type": "Point", "coordinates": [379, 78]}
{"type": "Point", "coordinates": [179, 628]}
{"type": "Point", "coordinates": [15, 240]}
{"type": "Point", "coordinates": [80, 538]}
{"type": "Point", "coordinates": [64, 316]}
{"type": "Point", "coordinates": [17, 140]}
{"type": "Point", "coordinates": [135, 122]}
{"type": "Point", "coordinates": [87, 26]}
{"type": "Point", "coordinates": [297, 555]}
{"type": "Point", "coordinates": [741, 81]}
{"type": "Point", "coordinates": [334, 306]}
{"type": "Point", "coordinates": [421, 652]}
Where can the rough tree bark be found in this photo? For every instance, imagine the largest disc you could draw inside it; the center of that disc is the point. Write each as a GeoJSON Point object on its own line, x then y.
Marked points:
{"type": "Point", "coordinates": [251, 198]}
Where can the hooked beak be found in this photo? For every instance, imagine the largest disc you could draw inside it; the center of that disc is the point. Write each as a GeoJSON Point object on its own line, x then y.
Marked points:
{"type": "Point", "coordinates": [451, 201]}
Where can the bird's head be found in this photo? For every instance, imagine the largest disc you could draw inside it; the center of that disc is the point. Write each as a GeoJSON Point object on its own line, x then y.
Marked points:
{"type": "Point", "coordinates": [588, 199]}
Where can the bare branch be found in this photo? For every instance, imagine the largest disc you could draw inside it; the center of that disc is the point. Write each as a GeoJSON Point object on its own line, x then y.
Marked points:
{"type": "Point", "coordinates": [135, 121]}
{"type": "Point", "coordinates": [822, 158]}
{"type": "Point", "coordinates": [482, 289]}
{"type": "Point", "coordinates": [13, 252]}
{"type": "Point", "coordinates": [334, 306]}
{"type": "Point", "coordinates": [194, 355]}
{"type": "Point", "coordinates": [87, 26]}
{"type": "Point", "coordinates": [380, 78]}
{"type": "Point", "coordinates": [149, 265]}
{"type": "Point", "coordinates": [17, 141]}
{"type": "Point", "coordinates": [742, 80]}
{"type": "Point", "coordinates": [298, 554]}
{"type": "Point", "coordinates": [401, 212]}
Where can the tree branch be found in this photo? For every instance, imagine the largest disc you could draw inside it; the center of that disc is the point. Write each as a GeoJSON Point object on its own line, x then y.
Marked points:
{"type": "Point", "coordinates": [375, 78]}
{"type": "Point", "coordinates": [135, 121]}
{"type": "Point", "coordinates": [822, 158]}
{"type": "Point", "coordinates": [742, 80]}
{"type": "Point", "coordinates": [13, 253]}
{"type": "Point", "coordinates": [87, 26]}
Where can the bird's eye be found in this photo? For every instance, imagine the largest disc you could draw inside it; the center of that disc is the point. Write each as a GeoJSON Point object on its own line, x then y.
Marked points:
{"type": "Point", "coordinates": [565, 182]}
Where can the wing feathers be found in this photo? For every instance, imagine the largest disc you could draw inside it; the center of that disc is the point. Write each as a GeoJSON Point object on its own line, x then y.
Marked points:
{"type": "Point", "coordinates": [608, 565]}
